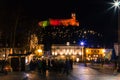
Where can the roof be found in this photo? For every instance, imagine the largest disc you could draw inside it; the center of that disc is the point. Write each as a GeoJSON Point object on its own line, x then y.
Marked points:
{"type": "Point", "coordinates": [15, 54]}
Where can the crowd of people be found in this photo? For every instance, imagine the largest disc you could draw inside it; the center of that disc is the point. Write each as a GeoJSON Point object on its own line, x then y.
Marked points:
{"type": "Point", "coordinates": [57, 65]}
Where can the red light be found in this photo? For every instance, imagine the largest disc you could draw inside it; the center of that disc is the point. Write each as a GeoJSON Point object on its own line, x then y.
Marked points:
{"type": "Point", "coordinates": [54, 22]}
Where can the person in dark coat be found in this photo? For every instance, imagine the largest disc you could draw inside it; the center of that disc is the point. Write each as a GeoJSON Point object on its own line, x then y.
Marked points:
{"type": "Point", "coordinates": [44, 66]}
{"type": "Point", "coordinates": [67, 66]}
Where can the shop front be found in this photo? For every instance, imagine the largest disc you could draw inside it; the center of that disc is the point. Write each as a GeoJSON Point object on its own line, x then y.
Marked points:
{"type": "Point", "coordinates": [97, 54]}
{"type": "Point", "coordinates": [19, 62]}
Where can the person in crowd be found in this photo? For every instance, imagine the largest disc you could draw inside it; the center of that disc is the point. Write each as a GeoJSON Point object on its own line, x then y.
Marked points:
{"type": "Point", "coordinates": [49, 64]}
{"type": "Point", "coordinates": [40, 66]}
{"type": "Point", "coordinates": [71, 64]}
{"type": "Point", "coordinates": [102, 62]}
{"type": "Point", "coordinates": [44, 66]}
{"type": "Point", "coordinates": [31, 65]}
{"type": "Point", "coordinates": [67, 66]}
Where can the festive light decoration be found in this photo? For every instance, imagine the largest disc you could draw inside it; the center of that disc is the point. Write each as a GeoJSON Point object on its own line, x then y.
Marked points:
{"type": "Point", "coordinates": [60, 22]}
{"type": "Point", "coordinates": [33, 42]}
{"type": "Point", "coordinates": [44, 23]}
{"type": "Point", "coordinates": [54, 22]}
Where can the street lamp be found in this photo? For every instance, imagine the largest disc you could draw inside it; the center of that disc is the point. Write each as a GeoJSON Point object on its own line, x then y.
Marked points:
{"type": "Point", "coordinates": [68, 44]}
{"type": "Point", "coordinates": [116, 6]}
{"type": "Point", "coordinates": [83, 44]}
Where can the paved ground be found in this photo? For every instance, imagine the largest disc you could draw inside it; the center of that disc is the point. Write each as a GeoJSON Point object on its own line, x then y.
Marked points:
{"type": "Point", "coordinates": [80, 72]}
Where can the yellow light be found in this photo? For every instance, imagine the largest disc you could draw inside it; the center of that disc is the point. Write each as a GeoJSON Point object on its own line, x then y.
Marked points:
{"type": "Point", "coordinates": [80, 53]}
{"type": "Point", "coordinates": [61, 53]}
{"type": "Point", "coordinates": [62, 56]}
{"type": "Point", "coordinates": [88, 59]}
{"type": "Point", "coordinates": [69, 53]}
{"type": "Point", "coordinates": [39, 50]}
{"type": "Point", "coordinates": [26, 60]}
{"type": "Point", "coordinates": [77, 59]}
{"type": "Point", "coordinates": [74, 53]}
{"type": "Point", "coordinates": [87, 51]}
{"type": "Point", "coordinates": [96, 55]}
{"type": "Point", "coordinates": [103, 50]}
{"type": "Point", "coordinates": [103, 54]}
{"type": "Point", "coordinates": [66, 53]}
{"type": "Point", "coordinates": [73, 56]}
{"type": "Point", "coordinates": [53, 53]}
{"type": "Point", "coordinates": [11, 51]}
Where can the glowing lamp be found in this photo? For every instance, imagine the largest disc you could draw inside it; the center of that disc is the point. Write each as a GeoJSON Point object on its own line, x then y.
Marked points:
{"type": "Point", "coordinates": [82, 43]}
{"type": "Point", "coordinates": [116, 3]}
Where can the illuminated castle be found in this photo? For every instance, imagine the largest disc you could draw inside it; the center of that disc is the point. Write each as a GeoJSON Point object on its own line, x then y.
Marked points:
{"type": "Point", "coordinates": [60, 22]}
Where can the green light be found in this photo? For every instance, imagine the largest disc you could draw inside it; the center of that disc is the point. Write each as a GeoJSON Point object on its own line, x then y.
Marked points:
{"type": "Point", "coordinates": [45, 23]}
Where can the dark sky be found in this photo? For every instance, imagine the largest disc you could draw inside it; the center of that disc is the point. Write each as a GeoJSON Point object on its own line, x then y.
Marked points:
{"type": "Point", "coordinates": [92, 13]}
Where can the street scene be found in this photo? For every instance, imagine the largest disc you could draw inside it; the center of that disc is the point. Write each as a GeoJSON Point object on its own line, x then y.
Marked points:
{"type": "Point", "coordinates": [60, 40]}
{"type": "Point", "coordinates": [79, 72]}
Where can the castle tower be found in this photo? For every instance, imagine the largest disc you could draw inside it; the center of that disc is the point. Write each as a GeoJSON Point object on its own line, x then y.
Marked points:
{"type": "Point", "coordinates": [73, 15]}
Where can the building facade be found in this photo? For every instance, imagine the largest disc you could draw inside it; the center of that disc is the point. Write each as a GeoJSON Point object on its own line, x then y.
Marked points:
{"type": "Point", "coordinates": [74, 52]}
{"type": "Point", "coordinates": [79, 53]}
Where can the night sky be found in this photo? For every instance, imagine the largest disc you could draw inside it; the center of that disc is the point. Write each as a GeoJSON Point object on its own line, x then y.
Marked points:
{"type": "Point", "coordinates": [26, 13]}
